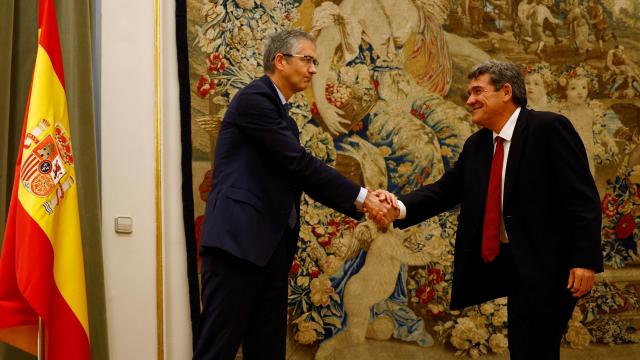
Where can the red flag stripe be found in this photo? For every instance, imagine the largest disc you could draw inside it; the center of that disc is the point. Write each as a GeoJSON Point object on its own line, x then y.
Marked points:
{"type": "Point", "coordinates": [13, 301]}
{"type": "Point", "coordinates": [66, 338]}
{"type": "Point", "coordinates": [49, 37]}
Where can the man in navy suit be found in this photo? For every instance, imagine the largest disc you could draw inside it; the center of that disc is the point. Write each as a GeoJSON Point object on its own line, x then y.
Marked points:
{"type": "Point", "coordinates": [251, 226]}
{"type": "Point", "coordinates": [530, 217]}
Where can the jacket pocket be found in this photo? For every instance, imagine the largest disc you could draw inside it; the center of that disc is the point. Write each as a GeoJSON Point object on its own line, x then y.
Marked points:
{"type": "Point", "coordinates": [245, 196]}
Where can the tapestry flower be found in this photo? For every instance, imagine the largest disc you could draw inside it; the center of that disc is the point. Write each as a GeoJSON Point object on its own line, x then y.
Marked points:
{"type": "Point", "coordinates": [216, 63]}
{"type": "Point", "coordinates": [306, 333]}
{"type": "Point", "coordinates": [498, 343]}
{"type": "Point", "coordinates": [321, 290]}
{"type": "Point", "coordinates": [206, 86]}
{"type": "Point", "coordinates": [425, 294]}
{"type": "Point", "coordinates": [625, 227]}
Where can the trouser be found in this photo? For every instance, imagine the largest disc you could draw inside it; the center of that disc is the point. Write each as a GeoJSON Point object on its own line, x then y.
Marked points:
{"type": "Point", "coordinates": [243, 304]}
{"type": "Point", "coordinates": [534, 333]}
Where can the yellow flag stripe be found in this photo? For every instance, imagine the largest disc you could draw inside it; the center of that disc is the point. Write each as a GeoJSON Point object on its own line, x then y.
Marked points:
{"type": "Point", "coordinates": [62, 227]}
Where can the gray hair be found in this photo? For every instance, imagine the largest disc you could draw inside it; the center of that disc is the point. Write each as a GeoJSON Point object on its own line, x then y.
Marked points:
{"type": "Point", "coordinates": [501, 73]}
{"type": "Point", "coordinates": [283, 42]}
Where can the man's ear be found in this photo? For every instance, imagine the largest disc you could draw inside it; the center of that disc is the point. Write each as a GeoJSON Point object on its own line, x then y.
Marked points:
{"type": "Point", "coordinates": [279, 61]}
{"type": "Point", "coordinates": [507, 91]}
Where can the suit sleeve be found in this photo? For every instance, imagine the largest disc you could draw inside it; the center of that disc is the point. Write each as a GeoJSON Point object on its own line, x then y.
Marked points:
{"type": "Point", "coordinates": [580, 200]}
{"type": "Point", "coordinates": [324, 197]}
{"type": "Point", "coordinates": [258, 117]}
{"type": "Point", "coordinates": [435, 198]}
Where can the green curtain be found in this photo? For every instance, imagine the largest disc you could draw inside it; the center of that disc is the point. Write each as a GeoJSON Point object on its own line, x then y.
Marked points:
{"type": "Point", "coordinates": [17, 56]}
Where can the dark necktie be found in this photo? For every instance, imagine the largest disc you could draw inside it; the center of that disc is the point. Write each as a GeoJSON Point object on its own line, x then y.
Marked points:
{"type": "Point", "coordinates": [293, 217]}
{"type": "Point", "coordinates": [493, 212]}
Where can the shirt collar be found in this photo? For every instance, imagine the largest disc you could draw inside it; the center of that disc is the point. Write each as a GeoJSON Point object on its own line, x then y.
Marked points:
{"type": "Point", "coordinates": [507, 130]}
{"type": "Point", "coordinates": [284, 101]}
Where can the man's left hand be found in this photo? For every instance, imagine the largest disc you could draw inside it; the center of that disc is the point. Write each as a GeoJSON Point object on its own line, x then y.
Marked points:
{"type": "Point", "coordinates": [580, 281]}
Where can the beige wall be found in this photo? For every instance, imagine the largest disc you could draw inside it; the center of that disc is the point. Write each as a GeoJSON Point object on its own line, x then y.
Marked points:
{"type": "Point", "coordinates": [177, 323]}
{"type": "Point", "coordinates": [128, 108]}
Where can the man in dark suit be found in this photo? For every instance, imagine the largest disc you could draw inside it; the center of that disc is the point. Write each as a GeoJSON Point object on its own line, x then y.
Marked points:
{"type": "Point", "coordinates": [251, 222]}
{"type": "Point", "coordinates": [529, 224]}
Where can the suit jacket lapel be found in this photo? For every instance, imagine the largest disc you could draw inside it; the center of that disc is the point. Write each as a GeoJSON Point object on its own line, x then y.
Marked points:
{"type": "Point", "coordinates": [515, 153]}
{"type": "Point", "coordinates": [480, 168]}
{"type": "Point", "coordinates": [269, 84]}
{"type": "Point", "coordinates": [283, 111]}
{"type": "Point", "coordinates": [294, 127]}
{"type": "Point", "coordinates": [291, 123]}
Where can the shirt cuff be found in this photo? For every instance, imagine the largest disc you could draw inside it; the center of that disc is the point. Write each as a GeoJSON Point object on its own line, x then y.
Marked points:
{"type": "Point", "coordinates": [403, 210]}
{"type": "Point", "coordinates": [362, 195]}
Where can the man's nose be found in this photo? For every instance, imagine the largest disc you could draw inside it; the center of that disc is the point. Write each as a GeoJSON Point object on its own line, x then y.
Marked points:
{"type": "Point", "coordinates": [470, 100]}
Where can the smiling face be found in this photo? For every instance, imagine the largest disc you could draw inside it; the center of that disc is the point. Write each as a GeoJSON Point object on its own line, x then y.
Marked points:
{"type": "Point", "coordinates": [577, 90]}
{"type": "Point", "coordinates": [488, 105]}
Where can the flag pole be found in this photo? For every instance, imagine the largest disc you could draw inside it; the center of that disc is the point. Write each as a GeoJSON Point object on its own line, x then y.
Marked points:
{"type": "Point", "coordinates": [41, 340]}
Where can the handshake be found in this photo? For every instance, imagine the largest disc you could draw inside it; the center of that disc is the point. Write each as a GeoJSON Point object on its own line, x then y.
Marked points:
{"type": "Point", "coordinates": [381, 207]}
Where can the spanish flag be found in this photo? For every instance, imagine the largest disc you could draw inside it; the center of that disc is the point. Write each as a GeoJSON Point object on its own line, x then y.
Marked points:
{"type": "Point", "coordinates": [41, 264]}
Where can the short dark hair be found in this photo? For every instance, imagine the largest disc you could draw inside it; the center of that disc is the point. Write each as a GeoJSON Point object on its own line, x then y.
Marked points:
{"type": "Point", "coordinates": [501, 73]}
{"type": "Point", "coordinates": [283, 42]}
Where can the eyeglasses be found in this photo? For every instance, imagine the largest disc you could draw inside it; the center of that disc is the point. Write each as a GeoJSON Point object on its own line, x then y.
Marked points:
{"type": "Point", "coordinates": [307, 59]}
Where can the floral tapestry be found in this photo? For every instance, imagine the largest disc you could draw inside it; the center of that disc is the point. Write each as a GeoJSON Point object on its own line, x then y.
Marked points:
{"type": "Point", "coordinates": [387, 109]}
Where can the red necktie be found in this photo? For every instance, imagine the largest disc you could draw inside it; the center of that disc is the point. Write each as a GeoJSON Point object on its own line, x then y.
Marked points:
{"type": "Point", "coordinates": [492, 212]}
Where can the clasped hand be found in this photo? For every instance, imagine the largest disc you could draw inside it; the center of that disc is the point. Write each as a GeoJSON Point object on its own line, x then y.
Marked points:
{"type": "Point", "coordinates": [382, 207]}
